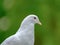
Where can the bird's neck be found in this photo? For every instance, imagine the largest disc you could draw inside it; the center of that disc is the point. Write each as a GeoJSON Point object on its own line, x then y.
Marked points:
{"type": "Point", "coordinates": [27, 31]}
{"type": "Point", "coordinates": [26, 27]}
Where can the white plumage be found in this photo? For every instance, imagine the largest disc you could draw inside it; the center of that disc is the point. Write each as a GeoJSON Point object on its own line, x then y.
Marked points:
{"type": "Point", "coordinates": [25, 34]}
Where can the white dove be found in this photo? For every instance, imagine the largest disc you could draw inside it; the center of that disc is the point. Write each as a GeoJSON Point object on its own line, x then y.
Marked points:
{"type": "Point", "coordinates": [25, 34]}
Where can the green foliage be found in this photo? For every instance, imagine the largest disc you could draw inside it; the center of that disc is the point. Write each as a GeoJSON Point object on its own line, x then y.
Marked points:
{"type": "Point", "coordinates": [47, 10]}
{"type": "Point", "coordinates": [2, 11]}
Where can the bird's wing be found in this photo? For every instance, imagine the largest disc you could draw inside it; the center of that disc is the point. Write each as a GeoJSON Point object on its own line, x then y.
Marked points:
{"type": "Point", "coordinates": [12, 40]}
{"type": "Point", "coordinates": [15, 40]}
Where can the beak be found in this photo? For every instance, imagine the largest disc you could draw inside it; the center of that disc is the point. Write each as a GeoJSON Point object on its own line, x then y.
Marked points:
{"type": "Point", "coordinates": [39, 23]}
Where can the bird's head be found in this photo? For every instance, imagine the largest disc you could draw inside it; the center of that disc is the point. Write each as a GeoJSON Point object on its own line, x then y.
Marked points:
{"type": "Point", "coordinates": [32, 19]}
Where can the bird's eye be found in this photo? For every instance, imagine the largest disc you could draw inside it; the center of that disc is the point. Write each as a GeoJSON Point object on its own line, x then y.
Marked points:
{"type": "Point", "coordinates": [34, 17]}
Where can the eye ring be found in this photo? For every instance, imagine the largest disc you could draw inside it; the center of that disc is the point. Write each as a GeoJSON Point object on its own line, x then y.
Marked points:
{"type": "Point", "coordinates": [34, 17]}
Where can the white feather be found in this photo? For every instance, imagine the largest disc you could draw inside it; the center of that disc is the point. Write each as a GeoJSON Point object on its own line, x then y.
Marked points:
{"type": "Point", "coordinates": [25, 34]}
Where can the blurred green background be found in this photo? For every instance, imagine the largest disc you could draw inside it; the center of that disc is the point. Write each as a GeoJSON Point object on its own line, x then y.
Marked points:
{"type": "Point", "coordinates": [12, 12]}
